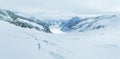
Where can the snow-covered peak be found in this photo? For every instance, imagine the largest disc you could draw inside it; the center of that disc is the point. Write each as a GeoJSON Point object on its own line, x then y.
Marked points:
{"type": "Point", "coordinates": [86, 24]}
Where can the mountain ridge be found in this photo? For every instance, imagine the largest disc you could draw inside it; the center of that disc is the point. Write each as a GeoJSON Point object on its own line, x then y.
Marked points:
{"type": "Point", "coordinates": [13, 18]}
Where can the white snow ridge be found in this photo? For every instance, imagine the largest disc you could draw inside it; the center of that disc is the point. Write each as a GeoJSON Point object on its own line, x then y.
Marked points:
{"type": "Point", "coordinates": [78, 38]}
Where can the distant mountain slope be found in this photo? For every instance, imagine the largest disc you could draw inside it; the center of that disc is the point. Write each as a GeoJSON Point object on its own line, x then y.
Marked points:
{"type": "Point", "coordinates": [22, 21]}
{"type": "Point", "coordinates": [66, 25]}
{"type": "Point", "coordinates": [86, 24]}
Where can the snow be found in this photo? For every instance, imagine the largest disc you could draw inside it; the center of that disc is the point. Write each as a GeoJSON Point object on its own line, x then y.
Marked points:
{"type": "Point", "coordinates": [57, 31]}
{"type": "Point", "coordinates": [25, 43]}
{"type": "Point", "coordinates": [15, 43]}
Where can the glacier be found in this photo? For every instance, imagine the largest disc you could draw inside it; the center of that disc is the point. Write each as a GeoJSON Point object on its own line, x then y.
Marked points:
{"type": "Point", "coordinates": [24, 37]}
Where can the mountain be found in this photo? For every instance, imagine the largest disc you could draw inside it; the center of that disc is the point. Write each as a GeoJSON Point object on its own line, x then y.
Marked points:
{"type": "Point", "coordinates": [66, 26]}
{"type": "Point", "coordinates": [13, 18]}
{"type": "Point", "coordinates": [75, 24]}
{"type": "Point", "coordinates": [92, 23]}
{"type": "Point", "coordinates": [52, 23]}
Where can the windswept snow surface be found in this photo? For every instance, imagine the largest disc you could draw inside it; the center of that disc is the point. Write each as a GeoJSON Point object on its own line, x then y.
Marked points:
{"type": "Point", "coordinates": [25, 43]}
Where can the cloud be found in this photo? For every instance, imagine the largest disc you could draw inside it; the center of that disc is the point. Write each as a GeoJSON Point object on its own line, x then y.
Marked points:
{"type": "Point", "coordinates": [63, 6]}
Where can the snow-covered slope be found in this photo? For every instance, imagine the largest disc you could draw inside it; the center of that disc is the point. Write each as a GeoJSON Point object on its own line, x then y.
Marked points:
{"type": "Point", "coordinates": [66, 25]}
{"type": "Point", "coordinates": [22, 21]}
{"type": "Point", "coordinates": [25, 43]}
{"type": "Point", "coordinates": [22, 42]}
{"type": "Point", "coordinates": [86, 24]}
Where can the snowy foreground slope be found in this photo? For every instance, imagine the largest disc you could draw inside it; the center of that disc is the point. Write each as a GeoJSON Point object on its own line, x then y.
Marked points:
{"type": "Point", "coordinates": [20, 43]}
{"type": "Point", "coordinates": [26, 43]}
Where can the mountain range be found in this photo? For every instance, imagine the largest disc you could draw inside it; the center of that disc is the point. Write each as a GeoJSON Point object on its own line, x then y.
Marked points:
{"type": "Point", "coordinates": [24, 37]}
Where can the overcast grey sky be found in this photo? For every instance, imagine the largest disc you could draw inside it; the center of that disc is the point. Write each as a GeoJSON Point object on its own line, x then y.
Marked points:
{"type": "Point", "coordinates": [63, 6]}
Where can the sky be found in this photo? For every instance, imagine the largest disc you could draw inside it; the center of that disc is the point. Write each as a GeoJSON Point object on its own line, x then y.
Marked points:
{"type": "Point", "coordinates": [63, 7]}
